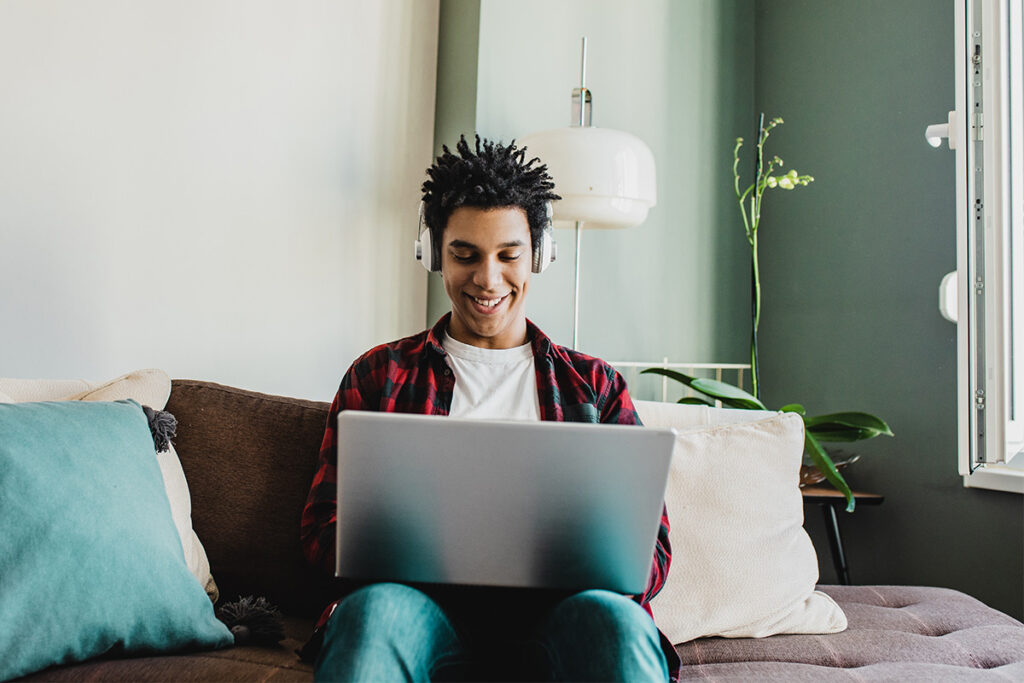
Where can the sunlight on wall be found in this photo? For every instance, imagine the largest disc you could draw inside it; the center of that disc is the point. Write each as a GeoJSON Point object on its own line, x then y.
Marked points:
{"type": "Point", "coordinates": [218, 188]}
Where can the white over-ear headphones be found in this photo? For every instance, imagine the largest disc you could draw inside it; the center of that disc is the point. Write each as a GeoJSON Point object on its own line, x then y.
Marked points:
{"type": "Point", "coordinates": [544, 252]}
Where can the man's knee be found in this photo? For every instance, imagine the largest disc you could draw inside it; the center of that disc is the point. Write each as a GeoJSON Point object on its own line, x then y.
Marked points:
{"type": "Point", "coordinates": [382, 608]}
{"type": "Point", "coordinates": [608, 611]}
{"type": "Point", "coordinates": [387, 597]}
{"type": "Point", "coordinates": [600, 635]}
{"type": "Point", "coordinates": [386, 631]}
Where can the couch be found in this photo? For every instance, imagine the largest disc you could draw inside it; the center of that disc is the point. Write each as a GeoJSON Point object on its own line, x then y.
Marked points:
{"type": "Point", "coordinates": [249, 459]}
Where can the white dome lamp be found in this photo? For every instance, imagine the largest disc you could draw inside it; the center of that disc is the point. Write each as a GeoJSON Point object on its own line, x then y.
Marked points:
{"type": "Point", "coordinates": [606, 178]}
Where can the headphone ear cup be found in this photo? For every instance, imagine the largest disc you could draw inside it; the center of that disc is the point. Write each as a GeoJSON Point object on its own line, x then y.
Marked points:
{"type": "Point", "coordinates": [547, 249]}
{"type": "Point", "coordinates": [425, 252]}
{"type": "Point", "coordinates": [545, 252]}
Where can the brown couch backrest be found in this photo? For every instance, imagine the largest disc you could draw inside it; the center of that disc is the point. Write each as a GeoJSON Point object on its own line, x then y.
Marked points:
{"type": "Point", "coordinates": [249, 459]}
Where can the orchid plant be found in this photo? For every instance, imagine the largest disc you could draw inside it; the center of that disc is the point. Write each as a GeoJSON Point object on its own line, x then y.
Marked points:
{"type": "Point", "coordinates": [834, 427]}
{"type": "Point", "coordinates": [754, 194]}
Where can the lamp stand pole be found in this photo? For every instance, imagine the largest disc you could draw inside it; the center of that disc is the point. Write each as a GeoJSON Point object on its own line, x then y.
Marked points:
{"type": "Point", "coordinates": [583, 121]}
{"type": "Point", "coordinates": [597, 165]}
{"type": "Point", "coordinates": [576, 291]}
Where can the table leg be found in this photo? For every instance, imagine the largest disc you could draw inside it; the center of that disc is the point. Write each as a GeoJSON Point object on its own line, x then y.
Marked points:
{"type": "Point", "coordinates": [836, 544]}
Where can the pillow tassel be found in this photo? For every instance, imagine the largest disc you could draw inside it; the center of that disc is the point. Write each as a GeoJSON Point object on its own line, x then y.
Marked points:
{"type": "Point", "coordinates": [254, 620]}
{"type": "Point", "coordinates": [163, 426]}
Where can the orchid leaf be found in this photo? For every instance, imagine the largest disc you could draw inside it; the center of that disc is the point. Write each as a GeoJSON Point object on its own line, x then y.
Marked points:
{"type": "Point", "coordinates": [727, 393]}
{"type": "Point", "coordinates": [730, 395]}
{"type": "Point", "coordinates": [695, 401]}
{"type": "Point", "coordinates": [671, 374]}
{"type": "Point", "coordinates": [824, 463]}
{"type": "Point", "coordinates": [793, 408]}
{"type": "Point", "coordinates": [850, 426]}
{"type": "Point", "coordinates": [841, 433]}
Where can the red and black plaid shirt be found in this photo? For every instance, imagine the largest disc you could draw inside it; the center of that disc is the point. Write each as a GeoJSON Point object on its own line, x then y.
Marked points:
{"type": "Point", "coordinates": [411, 375]}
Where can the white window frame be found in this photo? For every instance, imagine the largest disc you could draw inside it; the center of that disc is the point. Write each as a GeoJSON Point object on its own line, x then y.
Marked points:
{"type": "Point", "coordinates": [986, 132]}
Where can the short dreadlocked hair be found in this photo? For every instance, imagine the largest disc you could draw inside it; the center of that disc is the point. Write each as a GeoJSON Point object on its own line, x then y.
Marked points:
{"type": "Point", "coordinates": [494, 176]}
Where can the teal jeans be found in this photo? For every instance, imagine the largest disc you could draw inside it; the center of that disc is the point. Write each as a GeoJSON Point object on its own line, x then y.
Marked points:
{"type": "Point", "coordinates": [393, 632]}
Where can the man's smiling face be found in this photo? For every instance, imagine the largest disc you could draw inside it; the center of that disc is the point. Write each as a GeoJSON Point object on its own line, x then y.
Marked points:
{"type": "Point", "coordinates": [486, 262]}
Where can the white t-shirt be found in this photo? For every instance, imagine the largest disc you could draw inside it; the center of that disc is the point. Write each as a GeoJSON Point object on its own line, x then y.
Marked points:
{"type": "Point", "coordinates": [497, 384]}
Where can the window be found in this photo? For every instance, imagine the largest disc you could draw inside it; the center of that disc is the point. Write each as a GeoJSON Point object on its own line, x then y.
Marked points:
{"type": "Point", "coordinates": [986, 132]}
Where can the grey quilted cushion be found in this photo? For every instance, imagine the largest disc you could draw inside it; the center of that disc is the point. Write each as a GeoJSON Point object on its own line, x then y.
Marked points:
{"type": "Point", "coordinates": [896, 633]}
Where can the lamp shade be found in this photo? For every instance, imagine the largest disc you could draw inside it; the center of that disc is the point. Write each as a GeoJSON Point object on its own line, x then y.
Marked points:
{"type": "Point", "coordinates": [606, 177]}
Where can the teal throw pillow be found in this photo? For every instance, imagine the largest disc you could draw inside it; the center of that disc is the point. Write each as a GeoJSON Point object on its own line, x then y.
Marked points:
{"type": "Point", "coordinates": [90, 559]}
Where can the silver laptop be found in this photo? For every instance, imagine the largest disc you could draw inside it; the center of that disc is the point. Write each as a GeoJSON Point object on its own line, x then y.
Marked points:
{"type": "Point", "coordinates": [499, 503]}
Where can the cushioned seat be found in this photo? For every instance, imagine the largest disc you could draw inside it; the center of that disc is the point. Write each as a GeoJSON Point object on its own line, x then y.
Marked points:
{"type": "Point", "coordinates": [904, 633]}
{"type": "Point", "coordinates": [248, 663]}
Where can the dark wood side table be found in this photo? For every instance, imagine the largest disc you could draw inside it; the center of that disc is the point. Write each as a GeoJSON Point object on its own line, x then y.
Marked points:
{"type": "Point", "coordinates": [830, 501]}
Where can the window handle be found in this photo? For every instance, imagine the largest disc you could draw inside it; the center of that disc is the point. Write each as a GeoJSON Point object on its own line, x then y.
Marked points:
{"type": "Point", "coordinates": [935, 132]}
{"type": "Point", "coordinates": [948, 297]}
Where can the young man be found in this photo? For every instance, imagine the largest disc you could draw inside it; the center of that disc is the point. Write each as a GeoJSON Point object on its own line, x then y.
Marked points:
{"type": "Point", "coordinates": [487, 213]}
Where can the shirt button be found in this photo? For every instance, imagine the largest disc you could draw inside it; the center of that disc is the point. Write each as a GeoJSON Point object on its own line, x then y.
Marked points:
{"type": "Point", "coordinates": [447, 371]}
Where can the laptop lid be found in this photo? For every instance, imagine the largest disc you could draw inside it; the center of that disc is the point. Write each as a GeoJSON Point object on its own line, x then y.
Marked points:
{"type": "Point", "coordinates": [498, 503]}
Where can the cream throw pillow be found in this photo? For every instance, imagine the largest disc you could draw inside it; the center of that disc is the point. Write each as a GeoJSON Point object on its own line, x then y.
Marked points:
{"type": "Point", "coordinates": [151, 388]}
{"type": "Point", "coordinates": [743, 566]}
{"type": "Point", "coordinates": [28, 390]}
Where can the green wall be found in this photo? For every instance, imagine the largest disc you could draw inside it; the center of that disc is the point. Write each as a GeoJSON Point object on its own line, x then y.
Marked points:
{"type": "Point", "coordinates": [679, 75]}
{"type": "Point", "coordinates": [851, 267]}
{"type": "Point", "coordinates": [458, 43]}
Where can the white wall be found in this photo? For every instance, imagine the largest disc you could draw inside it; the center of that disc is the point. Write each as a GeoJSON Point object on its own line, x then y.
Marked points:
{"type": "Point", "coordinates": [223, 189]}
